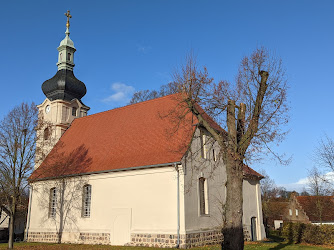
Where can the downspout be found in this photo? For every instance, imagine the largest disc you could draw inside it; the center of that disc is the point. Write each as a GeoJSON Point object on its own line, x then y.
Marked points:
{"type": "Point", "coordinates": [178, 204]}
{"type": "Point", "coordinates": [29, 212]}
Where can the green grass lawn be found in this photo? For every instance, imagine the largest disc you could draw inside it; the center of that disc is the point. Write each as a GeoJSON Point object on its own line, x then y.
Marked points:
{"type": "Point", "coordinates": [248, 246]}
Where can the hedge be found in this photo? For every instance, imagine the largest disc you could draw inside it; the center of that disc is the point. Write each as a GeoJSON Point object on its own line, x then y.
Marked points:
{"type": "Point", "coordinates": [308, 233]}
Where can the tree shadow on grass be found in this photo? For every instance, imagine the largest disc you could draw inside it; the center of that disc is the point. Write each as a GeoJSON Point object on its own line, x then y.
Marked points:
{"type": "Point", "coordinates": [281, 245]}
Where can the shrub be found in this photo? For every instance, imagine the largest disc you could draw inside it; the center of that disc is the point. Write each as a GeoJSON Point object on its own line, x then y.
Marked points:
{"type": "Point", "coordinates": [309, 233]}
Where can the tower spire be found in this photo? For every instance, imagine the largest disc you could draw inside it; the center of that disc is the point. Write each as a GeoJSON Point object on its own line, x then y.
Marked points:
{"type": "Point", "coordinates": [66, 48]}
{"type": "Point", "coordinates": [64, 85]}
{"type": "Point", "coordinates": [68, 15]}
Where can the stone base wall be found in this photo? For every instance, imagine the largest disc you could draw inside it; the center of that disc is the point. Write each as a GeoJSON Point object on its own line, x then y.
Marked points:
{"type": "Point", "coordinates": [144, 240]}
{"type": "Point", "coordinates": [50, 237]}
{"type": "Point", "coordinates": [247, 235]}
{"type": "Point", "coordinates": [95, 238]}
{"type": "Point", "coordinates": [170, 240]}
{"type": "Point", "coordinates": [83, 238]}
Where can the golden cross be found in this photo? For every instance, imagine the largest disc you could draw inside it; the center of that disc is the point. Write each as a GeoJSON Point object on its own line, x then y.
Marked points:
{"type": "Point", "coordinates": [68, 18]}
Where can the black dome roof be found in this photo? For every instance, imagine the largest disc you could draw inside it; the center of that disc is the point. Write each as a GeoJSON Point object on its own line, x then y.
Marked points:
{"type": "Point", "coordinates": [64, 85]}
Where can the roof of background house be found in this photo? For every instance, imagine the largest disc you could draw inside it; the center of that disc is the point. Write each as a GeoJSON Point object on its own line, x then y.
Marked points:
{"type": "Point", "coordinates": [311, 205]}
{"type": "Point", "coordinates": [143, 134]}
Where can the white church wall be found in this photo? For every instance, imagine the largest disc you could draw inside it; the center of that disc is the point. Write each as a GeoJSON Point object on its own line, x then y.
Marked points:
{"type": "Point", "coordinates": [252, 208]}
{"type": "Point", "coordinates": [215, 173]}
{"type": "Point", "coordinates": [200, 163]}
{"type": "Point", "coordinates": [145, 200]}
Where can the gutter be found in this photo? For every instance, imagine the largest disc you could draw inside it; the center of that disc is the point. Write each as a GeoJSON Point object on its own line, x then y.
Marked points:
{"type": "Point", "coordinates": [178, 204]}
{"type": "Point", "coordinates": [29, 214]}
{"type": "Point", "coordinates": [106, 171]}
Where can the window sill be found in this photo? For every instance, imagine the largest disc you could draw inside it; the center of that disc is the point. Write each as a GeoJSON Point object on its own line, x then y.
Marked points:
{"type": "Point", "coordinates": [204, 215]}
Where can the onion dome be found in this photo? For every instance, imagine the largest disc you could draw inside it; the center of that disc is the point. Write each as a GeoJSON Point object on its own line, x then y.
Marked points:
{"type": "Point", "coordinates": [64, 85]}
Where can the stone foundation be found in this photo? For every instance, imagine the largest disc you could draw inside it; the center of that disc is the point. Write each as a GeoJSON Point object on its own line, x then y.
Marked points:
{"type": "Point", "coordinates": [95, 238]}
{"type": "Point", "coordinates": [170, 240]}
{"type": "Point", "coordinates": [50, 237]}
{"type": "Point", "coordinates": [247, 236]}
{"type": "Point", "coordinates": [83, 238]}
{"type": "Point", "coordinates": [146, 240]}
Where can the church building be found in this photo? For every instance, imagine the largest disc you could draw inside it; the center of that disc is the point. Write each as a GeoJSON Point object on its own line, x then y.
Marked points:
{"type": "Point", "coordinates": [138, 175]}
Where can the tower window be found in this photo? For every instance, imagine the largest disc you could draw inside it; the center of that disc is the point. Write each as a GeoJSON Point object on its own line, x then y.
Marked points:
{"type": "Point", "coordinates": [74, 111]}
{"type": "Point", "coordinates": [46, 134]}
{"type": "Point", "coordinates": [69, 56]}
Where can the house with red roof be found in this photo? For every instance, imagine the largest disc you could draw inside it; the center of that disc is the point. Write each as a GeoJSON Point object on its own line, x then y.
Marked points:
{"type": "Point", "coordinates": [311, 209]}
{"type": "Point", "coordinates": [136, 175]}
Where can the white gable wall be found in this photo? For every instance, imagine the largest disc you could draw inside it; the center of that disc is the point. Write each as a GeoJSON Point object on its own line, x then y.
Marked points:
{"type": "Point", "coordinates": [196, 166]}
{"type": "Point", "coordinates": [4, 220]}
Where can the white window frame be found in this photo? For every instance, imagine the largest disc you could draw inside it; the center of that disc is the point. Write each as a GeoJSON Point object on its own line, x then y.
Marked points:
{"type": "Point", "coordinates": [203, 200]}
{"type": "Point", "coordinates": [86, 200]}
{"type": "Point", "coordinates": [53, 203]}
{"type": "Point", "coordinates": [203, 141]}
{"type": "Point", "coordinates": [214, 155]}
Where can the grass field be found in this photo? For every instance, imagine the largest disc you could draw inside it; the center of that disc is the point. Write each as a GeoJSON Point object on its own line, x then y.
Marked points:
{"type": "Point", "coordinates": [248, 246]}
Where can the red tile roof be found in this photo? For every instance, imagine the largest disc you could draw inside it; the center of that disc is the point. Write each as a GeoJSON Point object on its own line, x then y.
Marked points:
{"type": "Point", "coordinates": [251, 172]}
{"type": "Point", "coordinates": [142, 134]}
{"type": "Point", "coordinates": [316, 205]}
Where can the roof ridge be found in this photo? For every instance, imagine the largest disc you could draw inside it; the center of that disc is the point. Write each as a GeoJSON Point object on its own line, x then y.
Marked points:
{"type": "Point", "coordinates": [126, 106]}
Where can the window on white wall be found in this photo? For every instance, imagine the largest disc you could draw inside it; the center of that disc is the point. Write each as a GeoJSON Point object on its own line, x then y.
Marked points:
{"type": "Point", "coordinates": [203, 196]}
{"type": "Point", "coordinates": [203, 144]}
{"type": "Point", "coordinates": [214, 155]}
{"type": "Point", "coordinates": [296, 212]}
{"type": "Point", "coordinates": [86, 200]}
{"type": "Point", "coordinates": [290, 212]}
{"type": "Point", "coordinates": [53, 202]}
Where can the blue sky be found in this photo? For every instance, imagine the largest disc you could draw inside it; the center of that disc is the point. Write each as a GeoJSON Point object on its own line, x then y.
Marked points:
{"type": "Point", "coordinates": [123, 46]}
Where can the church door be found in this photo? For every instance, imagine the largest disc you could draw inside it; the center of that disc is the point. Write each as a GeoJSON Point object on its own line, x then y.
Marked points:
{"type": "Point", "coordinates": [121, 227]}
{"type": "Point", "coordinates": [253, 228]}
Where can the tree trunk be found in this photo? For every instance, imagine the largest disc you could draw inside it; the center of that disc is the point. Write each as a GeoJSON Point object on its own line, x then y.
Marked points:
{"type": "Point", "coordinates": [233, 227]}
{"type": "Point", "coordinates": [11, 225]}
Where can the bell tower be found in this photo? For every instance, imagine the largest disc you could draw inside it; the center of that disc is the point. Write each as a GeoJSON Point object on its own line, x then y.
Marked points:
{"type": "Point", "coordinates": [63, 99]}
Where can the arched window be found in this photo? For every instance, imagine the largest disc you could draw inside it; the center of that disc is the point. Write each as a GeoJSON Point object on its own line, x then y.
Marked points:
{"type": "Point", "coordinates": [86, 200]}
{"type": "Point", "coordinates": [74, 111]}
{"type": "Point", "coordinates": [53, 202]}
{"type": "Point", "coordinates": [46, 133]}
{"type": "Point", "coordinates": [69, 56]}
{"type": "Point", "coordinates": [203, 196]}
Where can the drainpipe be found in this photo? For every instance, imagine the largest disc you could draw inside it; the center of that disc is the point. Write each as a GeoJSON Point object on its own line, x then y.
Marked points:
{"type": "Point", "coordinates": [178, 204]}
{"type": "Point", "coordinates": [29, 212]}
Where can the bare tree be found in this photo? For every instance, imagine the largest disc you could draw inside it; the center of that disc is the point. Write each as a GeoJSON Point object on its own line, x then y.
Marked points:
{"type": "Point", "coordinates": [144, 95]}
{"type": "Point", "coordinates": [324, 153]}
{"type": "Point", "coordinates": [321, 183]}
{"type": "Point", "coordinates": [318, 183]}
{"type": "Point", "coordinates": [17, 151]}
{"type": "Point", "coordinates": [319, 186]}
{"type": "Point", "coordinates": [253, 112]}
{"type": "Point", "coordinates": [58, 190]}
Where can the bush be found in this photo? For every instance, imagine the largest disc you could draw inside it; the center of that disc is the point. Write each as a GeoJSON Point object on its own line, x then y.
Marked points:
{"type": "Point", "coordinates": [309, 233]}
